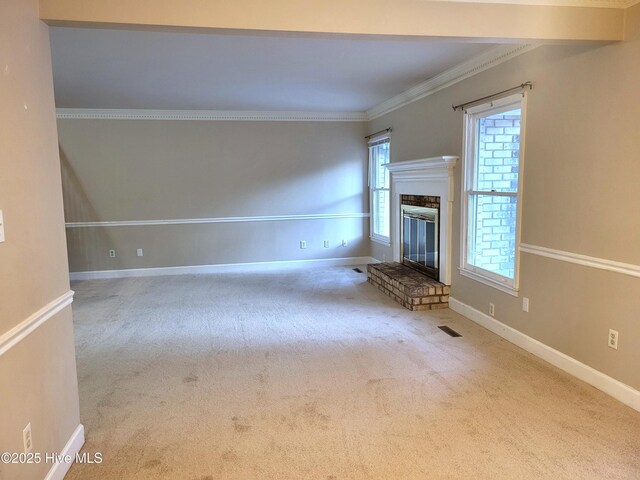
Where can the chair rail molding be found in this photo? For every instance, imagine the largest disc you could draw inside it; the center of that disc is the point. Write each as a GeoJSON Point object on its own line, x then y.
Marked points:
{"type": "Point", "coordinates": [18, 333]}
{"type": "Point", "coordinates": [584, 260]}
{"type": "Point", "coordinates": [562, 3]}
{"type": "Point", "coordinates": [193, 221]}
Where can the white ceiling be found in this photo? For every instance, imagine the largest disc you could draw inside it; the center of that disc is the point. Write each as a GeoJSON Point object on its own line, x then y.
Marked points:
{"type": "Point", "coordinates": [94, 68]}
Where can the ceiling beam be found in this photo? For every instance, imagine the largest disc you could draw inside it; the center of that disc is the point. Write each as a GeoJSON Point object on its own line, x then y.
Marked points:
{"type": "Point", "coordinates": [422, 18]}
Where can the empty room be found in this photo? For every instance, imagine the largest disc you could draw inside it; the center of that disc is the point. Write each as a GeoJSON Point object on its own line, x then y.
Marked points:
{"type": "Point", "coordinates": [319, 240]}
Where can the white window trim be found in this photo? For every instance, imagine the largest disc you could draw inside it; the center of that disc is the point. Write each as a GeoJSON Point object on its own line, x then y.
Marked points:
{"type": "Point", "coordinates": [375, 237]}
{"type": "Point", "coordinates": [504, 284]}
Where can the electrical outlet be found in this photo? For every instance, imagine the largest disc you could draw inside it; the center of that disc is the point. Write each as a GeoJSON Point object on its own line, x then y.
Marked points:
{"type": "Point", "coordinates": [525, 304]}
{"type": "Point", "coordinates": [613, 339]}
{"type": "Point", "coordinates": [112, 254]}
{"type": "Point", "coordinates": [1, 227]}
{"type": "Point", "coordinates": [26, 438]}
{"type": "Point", "coordinates": [326, 244]}
{"type": "Point", "coordinates": [139, 252]}
{"type": "Point", "coordinates": [303, 244]}
{"type": "Point", "coordinates": [492, 309]}
{"type": "Point", "coordinates": [344, 243]}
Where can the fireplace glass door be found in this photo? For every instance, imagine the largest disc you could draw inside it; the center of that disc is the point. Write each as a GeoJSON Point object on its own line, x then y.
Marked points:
{"type": "Point", "coordinates": [420, 239]}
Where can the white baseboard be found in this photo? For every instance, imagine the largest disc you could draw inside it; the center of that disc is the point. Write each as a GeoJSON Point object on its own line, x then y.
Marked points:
{"type": "Point", "coordinates": [618, 390]}
{"type": "Point", "coordinates": [220, 268]}
{"type": "Point", "coordinates": [73, 446]}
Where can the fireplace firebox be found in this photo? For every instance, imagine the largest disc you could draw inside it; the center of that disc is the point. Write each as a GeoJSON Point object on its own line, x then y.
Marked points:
{"type": "Point", "coordinates": [420, 233]}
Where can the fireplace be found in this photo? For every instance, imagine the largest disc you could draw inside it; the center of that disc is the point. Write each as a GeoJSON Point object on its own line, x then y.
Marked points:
{"type": "Point", "coordinates": [420, 233]}
{"type": "Point", "coordinates": [421, 209]}
{"type": "Point", "coordinates": [427, 182]}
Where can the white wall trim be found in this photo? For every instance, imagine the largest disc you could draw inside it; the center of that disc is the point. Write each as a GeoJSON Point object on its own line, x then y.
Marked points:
{"type": "Point", "coordinates": [559, 3]}
{"type": "Point", "coordinates": [585, 260]}
{"type": "Point", "coordinates": [24, 328]}
{"type": "Point", "coordinates": [489, 59]}
{"type": "Point", "coordinates": [190, 221]}
{"type": "Point", "coordinates": [488, 281]}
{"type": "Point", "coordinates": [221, 268]}
{"type": "Point", "coordinates": [73, 446]}
{"type": "Point", "coordinates": [618, 390]}
{"type": "Point", "coordinates": [207, 115]}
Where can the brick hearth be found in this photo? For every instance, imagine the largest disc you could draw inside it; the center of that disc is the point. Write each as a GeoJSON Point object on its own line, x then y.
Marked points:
{"type": "Point", "coordinates": [410, 288]}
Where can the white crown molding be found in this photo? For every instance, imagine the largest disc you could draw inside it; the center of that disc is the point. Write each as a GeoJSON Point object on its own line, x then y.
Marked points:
{"type": "Point", "coordinates": [618, 390]}
{"type": "Point", "coordinates": [560, 3]}
{"type": "Point", "coordinates": [23, 329]}
{"type": "Point", "coordinates": [207, 115]}
{"type": "Point", "coordinates": [484, 61]}
{"type": "Point", "coordinates": [194, 221]}
{"type": "Point", "coordinates": [491, 58]}
{"type": "Point", "coordinates": [584, 260]}
{"type": "Point", "coordinates": [221, 268]}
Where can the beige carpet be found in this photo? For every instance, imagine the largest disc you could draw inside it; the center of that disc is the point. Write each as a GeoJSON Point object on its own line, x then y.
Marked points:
{"type": "Point", "coordinates": [317, 375]}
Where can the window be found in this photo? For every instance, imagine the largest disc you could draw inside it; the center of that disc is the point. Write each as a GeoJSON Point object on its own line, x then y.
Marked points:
{"type": "Point", "coordinates": [492, 184]}
{"type": "Point", "coordinates": [379, 203]}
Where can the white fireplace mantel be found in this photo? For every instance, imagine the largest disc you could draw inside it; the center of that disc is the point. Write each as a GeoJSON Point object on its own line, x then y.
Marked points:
{"type": "Point", "coordinates": [426, 176]}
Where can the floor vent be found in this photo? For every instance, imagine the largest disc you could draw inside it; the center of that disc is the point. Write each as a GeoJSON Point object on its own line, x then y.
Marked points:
{"type": "Point", "coordinates": [449, 331]}
{"type": "Point", "coordinates": [357, 270]}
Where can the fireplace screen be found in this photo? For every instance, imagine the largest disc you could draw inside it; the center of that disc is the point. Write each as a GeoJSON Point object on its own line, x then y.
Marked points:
{"type": "Point", "coordinates": [420, 239]}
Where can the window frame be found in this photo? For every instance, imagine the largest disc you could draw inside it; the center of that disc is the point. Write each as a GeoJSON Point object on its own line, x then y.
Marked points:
{"type": "Point", "coordinates": [469, 164]}
{"type": "Point", "coordinates": [376, 237]}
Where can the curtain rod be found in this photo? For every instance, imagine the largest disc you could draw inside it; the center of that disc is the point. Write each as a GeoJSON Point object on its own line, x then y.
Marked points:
{"type": "Point", "coordinates": [381, 131]}
{"type": "Point", "coordinates": [523, 86]}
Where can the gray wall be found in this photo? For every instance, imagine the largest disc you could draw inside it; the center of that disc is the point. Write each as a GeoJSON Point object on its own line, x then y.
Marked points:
{"type": "Point", "coordinates": [158, 170]}
{"type": "Point", "coordinates": [37, 375]}
{"type": "Point", "coordinates": [581, 193]}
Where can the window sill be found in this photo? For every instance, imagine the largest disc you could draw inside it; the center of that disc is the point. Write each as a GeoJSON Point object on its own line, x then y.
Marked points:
{"type": "Point", "coordinates": [488, 281]}
{"type": "Point", "coordinates": [381, 240]}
